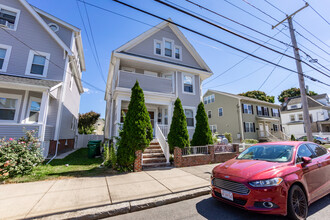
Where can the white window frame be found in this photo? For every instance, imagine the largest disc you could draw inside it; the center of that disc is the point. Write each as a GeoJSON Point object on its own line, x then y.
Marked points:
{"type": "Point", "coordinates": [30, 60]}
{"type": "Point", "coordinates": [208, 114]}
{"type": "Point", "coordinates": [250, 127]}
{"type": "Point", "coordinates": [221, 112]}
{"type": "Point", "coordinates": [180, 52]}
{"type": "Point", "coordinates": [17, 107]}
{"type": "Point", "coordinates": [172, 47]}
{"type": "Point", "coordinates": [193, 83]}
{"type": "Point", "coordinates": [35, 99]}
{"type": "Point", "coordinates": [294, 117]}
{"type": "Point", "coordinates": [56, 25]}
{"type": "Point", "coordinates": [18, 12]}
{"type": "Point", "coordinates": [212, 128]}
{"type": "Point", "coordinates": [161, 47]}
{"type": "Point", "coordinates": [7, 57]}
{"type": "Point", "coordinates": [247, 105]}
{"type": "Point", "coordinates": [302, 117]}
{"type": "Point", "coordinates": [194, 114]}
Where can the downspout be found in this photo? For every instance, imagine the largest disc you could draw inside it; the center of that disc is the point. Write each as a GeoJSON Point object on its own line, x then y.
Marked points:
{"type": "Point", "coordinates": [59, 112]}
{"type": "Point", "coordinates": [240, 118]}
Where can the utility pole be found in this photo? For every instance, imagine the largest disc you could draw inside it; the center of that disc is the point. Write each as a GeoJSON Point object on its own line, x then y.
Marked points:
{"type": "Point", "coordinates": [307, 122]}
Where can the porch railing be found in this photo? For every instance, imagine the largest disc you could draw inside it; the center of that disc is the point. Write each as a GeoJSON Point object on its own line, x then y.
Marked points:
{"type": "Point", "coordinates": [195, 150]}
{"type": "Point", "coordinates": [162, 142]}
{"type": "Point", "coordinates": [164, 129]}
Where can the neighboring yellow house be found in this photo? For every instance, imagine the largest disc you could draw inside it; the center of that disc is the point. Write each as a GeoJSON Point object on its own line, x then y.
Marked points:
{"type": "Point", "coordinates": [243, 117]}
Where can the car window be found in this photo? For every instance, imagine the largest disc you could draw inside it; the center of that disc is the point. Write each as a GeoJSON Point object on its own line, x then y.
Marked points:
{"type": "Point", "coordinates": [303, 151]}
{"type": "Point", "coordinates": [318, 150]}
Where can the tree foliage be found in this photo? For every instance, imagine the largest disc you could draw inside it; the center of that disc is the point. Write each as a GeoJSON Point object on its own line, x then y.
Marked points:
{"type": "Point", "coordinates": [203, 134]}
{"type": "Point", "coordinates": [137, 129]}
{"type": "Point", "coordinates": [255, 94]}
{"type": "Point", "coordinates": [178, 135]}
{"type": "Point", "coordinates": [293, 92]}
{"type": "Point", "coordinates": [86, 122]}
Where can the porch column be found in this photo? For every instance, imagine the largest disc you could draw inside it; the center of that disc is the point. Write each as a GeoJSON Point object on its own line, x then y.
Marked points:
{"type": "Point", "coordinates": [43, 114]}
{"type": "Point", "coordinates": [170, 115]}
{"type": "Point", "coordinates": [118, 114]}
{"type": "Point", "coordinates": [24, 107]}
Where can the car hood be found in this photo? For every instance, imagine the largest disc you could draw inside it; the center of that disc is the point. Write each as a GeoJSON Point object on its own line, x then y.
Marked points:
{"type": "Point", "coordinates": [249, 169]}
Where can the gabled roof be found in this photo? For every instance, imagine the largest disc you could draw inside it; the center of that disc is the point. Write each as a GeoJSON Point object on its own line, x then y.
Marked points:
{"type": "Point", "coordinates": [176, 31]}
{"type": "Point", "coordinates": [312, 103]}
{"type": "Point", "coordinates": [58, 40]}
{"type": "Point", "coordinates": [242, 97]}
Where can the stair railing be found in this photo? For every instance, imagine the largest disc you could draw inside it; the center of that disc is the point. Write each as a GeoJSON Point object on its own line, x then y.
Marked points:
{"type": "Point", "coordinates": [163, 143]}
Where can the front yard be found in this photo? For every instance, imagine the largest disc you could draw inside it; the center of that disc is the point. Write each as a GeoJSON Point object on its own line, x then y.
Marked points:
{"type": "Point", "coordinates": [76, 164]}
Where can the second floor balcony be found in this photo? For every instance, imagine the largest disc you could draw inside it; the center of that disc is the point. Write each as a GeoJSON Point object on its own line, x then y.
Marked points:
{"type": "Point", "coordinates": [147, 83]}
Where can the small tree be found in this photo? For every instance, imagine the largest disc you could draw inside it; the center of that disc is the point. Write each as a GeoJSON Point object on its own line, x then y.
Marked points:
{"type": "Point", "coordinates": [178, 135]}
{"type": "Point", "coordinates": [137, 129]}
{"type": "Point", "coordinates": [203, 134]}
{"type": "Point", "coordinates": [229, 137]}
{"type": "Point", "coordinates": [259, 95]}
{"type": "Point", "coordinates": [86, 122]}
{"type": "Point", "coordinates": [293, 92]}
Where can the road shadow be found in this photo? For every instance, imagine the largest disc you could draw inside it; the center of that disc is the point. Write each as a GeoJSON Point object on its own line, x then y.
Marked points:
{"type": "Point", "coordinates": [210, 208]}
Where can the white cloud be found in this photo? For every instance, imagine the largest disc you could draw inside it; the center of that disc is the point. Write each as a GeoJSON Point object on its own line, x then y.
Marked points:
{"type": "Point", "coordinates": [87, 90]}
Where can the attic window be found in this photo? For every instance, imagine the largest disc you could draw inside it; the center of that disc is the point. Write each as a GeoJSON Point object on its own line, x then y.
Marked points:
{"type": "Point", "coordinates": [168, 48]}
{"type": "Point", "coordinates": [158, 47]}
{"type": "Point", "coordinates": [54, 27]}
{"type": "Point", "coordinates": [8, 17]}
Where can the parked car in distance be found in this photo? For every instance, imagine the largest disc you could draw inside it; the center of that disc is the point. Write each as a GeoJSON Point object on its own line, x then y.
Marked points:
{"type": "Point", "coordinates": [281, 178]}
{"type": "Point", "coordinates": [222, 139]}
{"type": "Point", "coordinates": [317, 139]}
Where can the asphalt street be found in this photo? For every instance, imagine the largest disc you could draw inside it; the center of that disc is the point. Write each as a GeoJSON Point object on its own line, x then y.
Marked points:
{"type": "Point", "coordinates": [205, 207]}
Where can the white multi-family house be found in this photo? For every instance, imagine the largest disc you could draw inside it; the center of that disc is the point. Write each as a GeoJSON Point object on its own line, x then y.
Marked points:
{"type": "Point", "coordinates": [319, 112]}
{"type": "Point", "coordinates": [166, 66]}
{"type": "Point", "coordinates": [41, 64]}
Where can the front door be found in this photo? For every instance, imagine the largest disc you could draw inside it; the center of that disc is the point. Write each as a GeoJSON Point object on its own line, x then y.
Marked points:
{"type": "Point", "coordinates": [152, 120]}
{"type": "Point", "coordinates": [267, 129]}
{"type": "Point", "coordinates": [261, 130]}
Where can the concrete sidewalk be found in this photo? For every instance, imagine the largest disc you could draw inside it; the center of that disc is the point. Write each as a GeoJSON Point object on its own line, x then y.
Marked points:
{"type": "Point", "coordinates": [34, 199]}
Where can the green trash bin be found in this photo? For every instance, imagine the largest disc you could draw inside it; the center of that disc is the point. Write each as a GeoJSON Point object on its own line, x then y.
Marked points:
{"type": "Point", "coordinates": [94, 148]}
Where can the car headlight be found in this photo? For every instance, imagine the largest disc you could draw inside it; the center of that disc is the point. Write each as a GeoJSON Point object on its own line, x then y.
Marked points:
{"type": "Point", "coordinates": [264, 183]}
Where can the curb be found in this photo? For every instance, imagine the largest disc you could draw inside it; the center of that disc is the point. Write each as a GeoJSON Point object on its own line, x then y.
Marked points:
{"type": "Point", "coordinates": [127, 207]}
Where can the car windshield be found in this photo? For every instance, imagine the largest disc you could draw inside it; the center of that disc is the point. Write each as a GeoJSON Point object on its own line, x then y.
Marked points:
{"type": "Point", "coordinates": [272, 153]}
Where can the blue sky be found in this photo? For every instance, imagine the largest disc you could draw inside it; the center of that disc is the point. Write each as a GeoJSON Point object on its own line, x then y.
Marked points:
{"type": "Point", "coordinates": [110, 31]}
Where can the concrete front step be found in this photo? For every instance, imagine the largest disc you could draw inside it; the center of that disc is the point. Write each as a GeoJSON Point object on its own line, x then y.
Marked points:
{"type": "Point", "coordinates": [152, 165]}
{"type": "Point", "coordinates": [153, 155]}
{"type": "Point", "coordinates": [154, 160]}
{"type": "Point", "coordinates": [154, 147]}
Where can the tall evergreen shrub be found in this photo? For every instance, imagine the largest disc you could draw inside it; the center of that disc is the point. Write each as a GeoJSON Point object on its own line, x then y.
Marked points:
{"type": "Point", "coordinates": [203, 134]}
{"type": "Point", "coordinates": [137, 130]}
{"type": "Point", "coordinates": [178, 135]}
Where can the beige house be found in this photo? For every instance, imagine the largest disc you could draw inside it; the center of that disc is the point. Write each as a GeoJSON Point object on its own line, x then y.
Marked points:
{"type": "Point", "coordinates": [243, 117]}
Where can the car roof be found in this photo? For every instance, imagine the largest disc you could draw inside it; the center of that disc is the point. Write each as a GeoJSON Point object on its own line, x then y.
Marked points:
{"type": "Point", "coordinates": [294, 143]}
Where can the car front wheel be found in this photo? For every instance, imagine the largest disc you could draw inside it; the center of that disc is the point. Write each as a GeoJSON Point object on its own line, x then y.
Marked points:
{"type": "Point", "coordinates": [297, 203]}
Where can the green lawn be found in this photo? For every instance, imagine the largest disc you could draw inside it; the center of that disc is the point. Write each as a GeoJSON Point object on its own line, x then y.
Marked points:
{"type": "Point", "coordinates": [327, 145]}
{"type": "Point", "coordinates": [79, 165]}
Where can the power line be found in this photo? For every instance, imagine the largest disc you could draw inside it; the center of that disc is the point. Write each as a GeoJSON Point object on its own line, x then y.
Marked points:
{"type": "Point", "coordinates": [317, 12]}
{"type": "Point", "coordinates": [25, 44]}
{"type": "Point", "coordinates": [95, 56]}
{"type": "Point", "coordinates": [231, 32]}
{"type": "Point", "coordinates": [236, 64]}
{"type": "Point", "coordinates": [276, 28]}
{"type": "Point", "coordinates": [272, 71]}
{"type": "Point", "coordinates": [280, 83]}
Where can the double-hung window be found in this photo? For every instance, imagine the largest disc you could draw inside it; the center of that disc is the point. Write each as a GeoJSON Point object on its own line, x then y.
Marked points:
{"type": "Point", "coordinates": [247, 109]}
{"type": "Point", "coordinates": [177, 52]}
{"type": "Point", "coordinates": [220, 111]}
{"type": "Point", "coordinates": [276, 112]}
{"type": "Point", "coordinates": [249, 127]}
{"type": "Point", "coordinates": [292, 118]}
{"type": "Point", "coordinates": [189, 117]}
{"type": "Point", "coordinates": [209, 114]}
{"type": "Point", "coordinates": [158, 47]}
{"type": "Point", "coordinates": [9, 107]}
{"type": "Point", "coordinates": [188, 83]}
{"type": "Point", "coordinates": [37, 64]}
{"type": "Point", "coordinates": [9, 17]}
{"type": "Point", "coordinates": [300, 117]}
{"type": "Point", "coordinates": [213, 128]}
{"type": "Point", "coordinates": [168, 48]}
{"type": "Point", "coordinates": [34, 111]}
{"type": "Point", "coordinates": [5, 51]}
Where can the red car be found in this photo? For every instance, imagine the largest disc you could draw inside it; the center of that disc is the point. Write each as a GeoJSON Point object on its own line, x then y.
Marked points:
{"type": "Point", "coordinates": [280, 178]}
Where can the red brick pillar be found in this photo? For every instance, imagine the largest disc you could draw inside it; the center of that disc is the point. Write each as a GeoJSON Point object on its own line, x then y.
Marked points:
{"type": "Point", "coordinates": [138, 161]}
{"type": "Point", "coordinates": [211, 152]}
{"type": "Point", "coordinates": [236, 148]}
{"type": "Point", "coordinates": [177, 157]}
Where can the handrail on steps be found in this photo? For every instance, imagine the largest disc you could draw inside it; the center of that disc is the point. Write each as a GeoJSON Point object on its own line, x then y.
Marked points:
{"type": "Point", "coordinates": [163, 143]}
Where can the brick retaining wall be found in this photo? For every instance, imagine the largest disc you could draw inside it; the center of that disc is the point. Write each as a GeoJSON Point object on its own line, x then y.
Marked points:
{"type": "Point", "coordinates": [201, 159]}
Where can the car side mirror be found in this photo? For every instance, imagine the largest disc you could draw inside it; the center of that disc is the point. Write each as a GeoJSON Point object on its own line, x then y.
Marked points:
{"type": "Point", "coordinates": [306, 160]}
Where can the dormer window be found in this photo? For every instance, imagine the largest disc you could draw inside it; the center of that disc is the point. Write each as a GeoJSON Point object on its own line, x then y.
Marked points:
{"type": "Point", "coordinates": [168, 48]}
{"type": "Point", "coordinates": [9, 17]}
